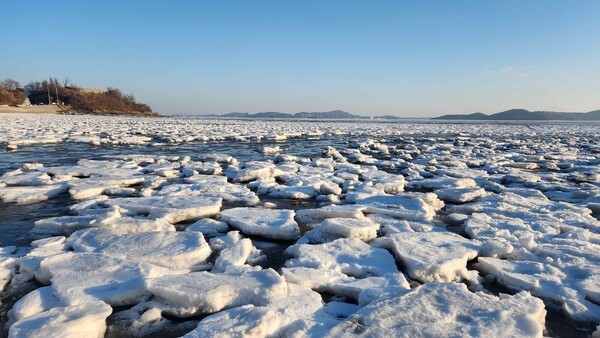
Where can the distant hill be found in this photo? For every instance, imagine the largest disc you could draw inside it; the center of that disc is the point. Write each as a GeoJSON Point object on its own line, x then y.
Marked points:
{"type": "Point", "coordinates": [522, 114]}
{"type": "Point", "coordinates": [334, 114]}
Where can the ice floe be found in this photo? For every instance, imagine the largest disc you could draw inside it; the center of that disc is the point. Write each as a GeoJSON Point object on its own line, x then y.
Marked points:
{"type": "Point", "coordinates": [269, 223]}
{"type": "Point", "coordinates": [378, 232]}
{"type": "Point", "coordinates": [436, 310]}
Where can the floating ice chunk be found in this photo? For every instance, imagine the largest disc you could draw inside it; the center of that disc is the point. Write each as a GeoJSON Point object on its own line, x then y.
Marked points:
{"type": "Point", "coordinates": [63, 224]}
{"type": "Point", "coordinates": [173, 209]}
{"type": "Point", "coordinates": [28, 178]}
{"type": "Point", "coordinates": [208, 226]}
{"type": "Point", "coordinates": [84, 320]}
{"type": "Point", "coordinates": [236, 256]}
{"type": "Point", "coordinates": [222, 242]}
{"type": "Point", "coordinates": [204, 168]}
{"type": "Point", "coordinates": [520, 177]}
{"type": "Point", "coordinates": [106, 219]}
{"type": "Point", "coordinates": [275, 224]}
{"type": "Point", "coordinates": [251, 173]}
{"type": "Point", "coordinates": [333, 228]}
{"type": "Point", "coordinates": [518, 232]}
{"type": "Point", "coordinates": [37, 301]}
{"type": "Point", "coordinates": [545, 281]}
{"type": "Point", "coordinates": [135, 224]}
{"type": "Point", "coordinates": [432, 256]}
{"type": "Point", "coordinates": [392, 184]}
{"type": "Point", "coordinates": [495, 248]}
{"type": "Point", "coordinates": [347, 256]}
{"type": "Point", "coordinates": [203, 179]}
{"type": "Point", "coordinates": [270, 150]}
{"type": "Point", "coordinates": [536, 215]}
{"type": "Point", "coordinates": [168, 249]}
{"type": "Point", "coordinates": [219, 158]}
{"type": "Point", "coordinates": [300, 313]}
{"type": "Point", "coordinates": [243, 321]}
{"type": "Point", "coordinates": [365, 290]}
{"type": "Point", "coordinates": [409, 208]}
{"type": "Point", "coordinates": [56, 241]}
{"type": "Point", "coordinates": [8, 265]}
{"type": "Point", "coordinates": [389, 224]}
{"type": "Point", "coordinates": [27, 195]}
{"type": "Point", "coordinates": [77, 278]}
{"type": "Point", "coordinates": [453, 309]}
{"type": "Point", "coordinates": [330, 211]}
{"type": "Point", "coordinates": [330, 188]}
{"type": "Point", "coordinates": [30, 263]}
{"type": "Point", "coordinates": [208, 292]}
{"type": "Point", "coordinates": [107, 179]}
{"type": "Point", "coordinates": [447, 183]}
{"type": "Point", "coordinates": [362, 229]}
{"type": "Point", "coordinates": [460, 195]}
{"type": "Point", "coordinates": [216, 189]}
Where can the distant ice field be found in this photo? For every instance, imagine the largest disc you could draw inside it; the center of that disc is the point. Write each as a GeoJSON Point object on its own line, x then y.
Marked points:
{"type": "Point", "coordinates": [117, 226]}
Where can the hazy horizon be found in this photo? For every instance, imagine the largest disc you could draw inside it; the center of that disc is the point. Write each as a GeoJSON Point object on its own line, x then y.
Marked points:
{"type": "Point", "coordinates": [387, 58]}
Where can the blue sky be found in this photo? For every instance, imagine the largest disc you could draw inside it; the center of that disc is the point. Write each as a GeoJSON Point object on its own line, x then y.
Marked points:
{"type": "Point", "coordinates": [418, 58]}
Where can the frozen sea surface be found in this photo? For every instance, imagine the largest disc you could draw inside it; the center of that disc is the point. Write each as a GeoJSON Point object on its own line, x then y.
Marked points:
{"type": "Point", "coordinates": [158, 227]}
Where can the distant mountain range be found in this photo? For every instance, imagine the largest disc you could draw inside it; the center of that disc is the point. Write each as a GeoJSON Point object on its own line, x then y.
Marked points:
{"type": "Point", "coordinates": [334, 114]}
{"type": "Point", "coordinates": [522, 114]}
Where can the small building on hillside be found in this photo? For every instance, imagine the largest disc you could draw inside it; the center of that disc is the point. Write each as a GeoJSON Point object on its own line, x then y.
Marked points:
{"type": "Point", "coordinates": [88, 90]}
{"type": "Point", "coordinates": [23, 99]}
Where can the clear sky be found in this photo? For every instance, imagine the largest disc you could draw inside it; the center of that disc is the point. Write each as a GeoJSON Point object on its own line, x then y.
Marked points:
{"type": "Point", "coordinates": [417, 58]}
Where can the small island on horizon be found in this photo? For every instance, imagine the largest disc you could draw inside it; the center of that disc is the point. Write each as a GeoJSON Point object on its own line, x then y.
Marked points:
{"type": "Point", "coordinates": [525, 115]}
{"type": "Point", "coordinates": [508, 115]}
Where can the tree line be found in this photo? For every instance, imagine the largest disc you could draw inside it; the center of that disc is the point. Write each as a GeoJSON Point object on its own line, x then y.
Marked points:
{"type": "Point", "coordinates": [66, 93]}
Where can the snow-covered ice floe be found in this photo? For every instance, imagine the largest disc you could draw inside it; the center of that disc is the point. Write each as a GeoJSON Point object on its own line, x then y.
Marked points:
{"type": "Point", "coordinates": [439, 310]}
{"type": "Point", "coordinates": [399, 230]}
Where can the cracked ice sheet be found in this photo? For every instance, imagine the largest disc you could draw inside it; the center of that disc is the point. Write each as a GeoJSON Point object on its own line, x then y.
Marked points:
{"type": "Point", "coordinates": [167, 249]}
{"type": "Point", "coordinates": [334, 228]}
{"type": "Point", "coordinates": [107, 219]}
{"type": "Point", "coordinates": [532, 211]}
{"type": "Point", "coordinates": [269, 223]}
{"type": "Point", "coordinates": [228, 192]}
{"type": "Point", "coordinates": [205, 292]}
{"type": "Point", "coordinates": [330, 211]}
{"type": "Point", "coordinates": [346, 267]}
{"type": "Point", "coordinates": [300, 314]}
{"type": "Point", "coordinates": [459, 196]}
{"type": "Point", "coordinates": [439, 310]}
{"type": "Point", "coordinates": [569, 286]}
{"type": "Point", "coordinates": [77, 278]}
{"type": "Point", "coordinates": [399, 206]}
{"type": "Point", "coordinates": [436, 256]}
{"type": "Point", "coordinates": [173, 209]}
{"type": "Point", "coordinates": [28, 195]}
